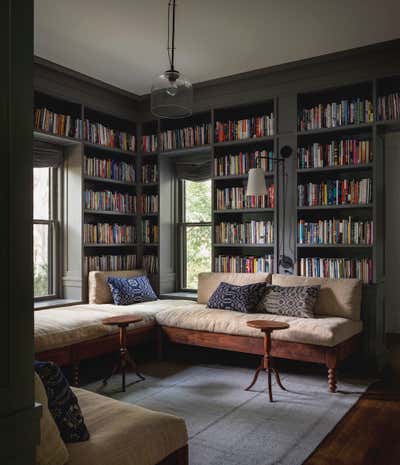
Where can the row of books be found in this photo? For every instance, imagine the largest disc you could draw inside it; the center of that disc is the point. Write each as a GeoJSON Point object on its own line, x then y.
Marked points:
{"type": "Point", "coordinates": [250, 232]}
{"type": "Point", "coordinates": [184, 138]}
{"type": "Point", "coordinates": [150, 263]}
{"type": "Point", "coordinates": [150, 232]}
{"type": "Point", "coordinates": [336, 231]}
{"type": "Point", "coordinates": [336, 153]}
{"type": "Point", "coordinates": [109, 169]}
{"type": "Point", "coordinates": [236, 198]}
{"type": "Point", "coordinates": [337, 268]}
{"type": "Point", "coordinates": [149, 173]}
{"type": "Point", "coordinates": [338, 192]}
{"type": "Point", "coordinates": [256, 126]}
{"type": "Point", "coordinates": [244, 264]}
{"type": "Point", "coordinates": [110, 201]}
{"type": "Point", "coordinates": [240, 163]}
{"type": "Point", "coordinates": [388, 107]}
{"type": "Point", "coordinates": [110, 262]}
{"type": "Point", "coordinates": [149, 203]}
{"type": "Point", "coordinates": [105, 233]}
{"type": "Point", "coordinates": [149, 143]}
{"type": "Point", "coordinates": [56, 123]}
{"type": "Point", "coordinates": [336, 114]}
{"type": "Point", "coordinates": [97, 133]}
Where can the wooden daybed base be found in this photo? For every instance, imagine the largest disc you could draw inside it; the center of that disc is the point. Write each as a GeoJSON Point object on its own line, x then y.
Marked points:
{"type": "Point", "coordinates": [329, 356]}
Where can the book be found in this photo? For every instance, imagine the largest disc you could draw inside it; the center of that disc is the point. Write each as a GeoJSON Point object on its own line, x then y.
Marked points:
{"type": "Point", "coordinates": [240, 163]}
{"type": "Point", "coordinates": [337, 268]}
{"type": "Point", "coordinates": [244, 264]}
{"type": "Point", "coordinates": [57, 123]}
{"type": "Point", "coordinates": [149, 173]}
{"type": "Point", "coordinates": [187, 137]}
{"type": "Point", "coordinates": [236, 198]}
{"type": "Point", "coordinates": [149, 232]}
{"type": "Point", "coordinates": [149, 203]}
{"type": "Point", "coordinates": [110, 201]}
{"type": "Point", "coordinates": [388, 106]}
{"type": "Point", "coordinates": [97, 133]}
{"type": "Point", "coordinates": [109, 169]}
{"type": "Point", "coordinates": [149, 143]}
{"type": "Point", "coordinates": [248, 128]}
{"type": "Point", "coordinates": [105, 233]}
{"type": "Point", "coordinates": [110, 262]}
{"type": "Point", "coordinates": [150, 263]}
{"type": "Point", "coordinates": [250, 232]}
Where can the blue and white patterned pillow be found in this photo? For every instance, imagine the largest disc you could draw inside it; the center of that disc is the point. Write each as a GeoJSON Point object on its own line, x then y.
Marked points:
{"type": "Point", "coordinates": [126, 291]}
{"type": "Point", "coordinates": [239, 298]}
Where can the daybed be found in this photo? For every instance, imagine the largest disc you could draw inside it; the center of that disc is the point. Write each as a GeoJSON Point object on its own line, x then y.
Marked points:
{"type": "Point", "coordinates": [328, 338]}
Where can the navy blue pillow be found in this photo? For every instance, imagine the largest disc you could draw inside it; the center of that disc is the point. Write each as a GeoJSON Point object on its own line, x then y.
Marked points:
{"type": "Point", "coordinates": [239, 298]}
{"type": "Point", "coordinates": [126, 291]}
{"type": "Point", "coordinates": [62, 402]}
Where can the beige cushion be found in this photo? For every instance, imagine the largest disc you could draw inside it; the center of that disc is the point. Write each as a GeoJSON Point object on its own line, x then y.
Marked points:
{"type": "Point", "coordinates": [208, 282]}
{"type": "Point", "coordinates": [99, 291]}
{"type": "Point", "coordinates": [124, 434]}
{"type": "Point", "coordinates": [51, 450]}
{"type": "Point", "coordinates": [337, 297]}
{"type": "Point", "coordinates": [322, 331]}
{"type": "Point", "coordinates": [64, 326]}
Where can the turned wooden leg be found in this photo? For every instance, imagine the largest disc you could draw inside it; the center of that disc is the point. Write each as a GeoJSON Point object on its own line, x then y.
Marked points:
{"type": "Point", "coordinates": [255, 377]}
{"type": "Point", "coordinates": [332, 379]}
{"type": "Point", "coordinates": [75, 374]}
{"type": "Point", "coordinates": [332, 362]}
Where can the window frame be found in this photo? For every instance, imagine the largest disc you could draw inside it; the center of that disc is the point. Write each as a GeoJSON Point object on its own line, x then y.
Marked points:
{"type": "Point", "coordinates": [183, 225]}
{"type": "Point", "coordinates": [54, 246]}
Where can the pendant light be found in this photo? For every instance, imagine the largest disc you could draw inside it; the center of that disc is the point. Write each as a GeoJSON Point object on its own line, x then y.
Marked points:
{"type": "Point", "coordinates": [171, 92]}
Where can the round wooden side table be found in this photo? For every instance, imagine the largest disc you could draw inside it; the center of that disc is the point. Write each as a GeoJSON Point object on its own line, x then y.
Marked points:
{"type": "Point", "coordinates": [125, 360]}
{"type": "Point", "coordinates": [267, 362]}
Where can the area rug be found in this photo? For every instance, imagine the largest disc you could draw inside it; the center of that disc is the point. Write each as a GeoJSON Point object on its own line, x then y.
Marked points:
{"type": "Point", "coordinates": [230, 426]}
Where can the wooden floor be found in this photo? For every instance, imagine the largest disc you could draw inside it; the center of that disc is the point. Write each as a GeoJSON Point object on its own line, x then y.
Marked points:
{"type": "Point", "coordinates": [368, 435]}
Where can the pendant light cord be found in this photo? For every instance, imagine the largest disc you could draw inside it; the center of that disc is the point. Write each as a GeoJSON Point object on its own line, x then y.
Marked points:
{"type": "Point", "coordinates": [171, 49]}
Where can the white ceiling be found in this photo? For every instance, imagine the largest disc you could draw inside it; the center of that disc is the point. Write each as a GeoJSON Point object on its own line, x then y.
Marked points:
{"type": "Point", "coordinates": [123, 42]}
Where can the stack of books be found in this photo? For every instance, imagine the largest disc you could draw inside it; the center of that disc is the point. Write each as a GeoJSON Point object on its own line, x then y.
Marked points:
{"type": "Point", "coordinates": [97, 133]}
{"type": "Point", "coordinates": [338, 192]}
{"type": "Point", "coordinates": [243, 264]}
{"type": "Point", "coordinates": [56, 123]}
{"type": "Point", "coordinates": [388, 107]}
{"type": "Point", "coordinates": [149, 173]}
{"type": "Point", "coordinates": [150, 263]}
{"type": "Point", "coordinates": [240, 163]}
{"type": "Point", "coordinates": [149, 203]}
{"type": "Point", "coordinates": [337, 268]}
{"type": "Point", "coordinates": [149, 232]}
{"type": "Point", "coordinates": [110, 262]}
{"type": "Point", "coordinates": [110, 201]}
{"type": "Point", "coordinates": [250, 232]}
{"type": "Point", "coordinates": [149, 143]}
{"type": "Point", "coordinates": [236, 198]}
{"type": "Point", "coordinates": [104, 233]}
{"type": "Point", "coordinates": [256, 126]}
{"type": "Point", "coordinates": [184, 138]}
{"type": "Point", "coordinates": [336, 231]}
{"type": "Point", "coordinates": [336, 114]}
{"type": "Point", "coordinates": [109, 169]}
{"type": "Point", "coordinates": [337, 153]}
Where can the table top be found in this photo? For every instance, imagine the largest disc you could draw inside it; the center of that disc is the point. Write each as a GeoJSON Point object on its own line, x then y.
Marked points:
{"type": "Point", "coordinates": [122, 320]}
{"type": "Point", "coordinates": [265, 325]}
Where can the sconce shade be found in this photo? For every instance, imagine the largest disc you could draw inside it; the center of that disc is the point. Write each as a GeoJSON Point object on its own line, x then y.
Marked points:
{"type": "Point", "coordinates": [256, 182]}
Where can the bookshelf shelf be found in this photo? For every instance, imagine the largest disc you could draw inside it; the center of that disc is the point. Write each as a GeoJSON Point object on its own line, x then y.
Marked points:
{"type": "Point", "coordinates": [54, 138]}
{"type": "Point", "coordinates": [346, 128]}
{"type": "Point", "coordinates": [148, 244]}
{"type": "Point", "coordinates": [238, 177]}
{"type": "Point", "coordinates": [109, 181]}
{"type": "Point", "coordinates": [150, 214]}
{"type": "Point", "coordinates": [244, 210]}
{"type": "Point", "coordinates": [111, 150]}
{"type": "Point", "coordinates": [265, 246]}
{"type": "Point", "coordinates": [187, 151]}
{"type": "Point", "coordinates": [106, 212]}
{"type": "Point", "coordinates": [336, 207]}
{"type": "Point", "coordinates": [249, 141]}
{"type": "Point", "coordinates": [148, 184]}
{"type": "Point", "coordinates": [132, 244]}
{"type": "Point", "coordinates": [360, 166]}
{"type": "Point", "coordinates": [344, 246]}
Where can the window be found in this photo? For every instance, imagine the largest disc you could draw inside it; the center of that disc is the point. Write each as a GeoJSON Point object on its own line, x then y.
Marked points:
{"type": "Point", "coordinates": [195, 231]}
{"type": "Point", "coordinates": [46, 229]}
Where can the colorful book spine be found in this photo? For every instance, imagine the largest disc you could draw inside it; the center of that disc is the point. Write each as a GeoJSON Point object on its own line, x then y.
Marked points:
{"type": "Point", "coordinates": [337, 268]}
{"type": "Point", "coordinates": [236, 198]}
{"type": "Point", "coordinates": [105, 233]}
{"type": "Point", "coordinates": [149, 143]}
{"type": "Point", "coordinates": [240, 163]}
{"type": "Point", "coordinates": [97, 133]}
{"type": "Point", "coordinates": [335, 231]}
{"type": "Point", "coordinates": [110, 201]}
{"type": "Point", "coordinates": [149, 203]}
{"type": "Point", "coordinates": [109, 169]}
{"type": "Point", "coordinates": [244, 264]}
{"type": "Point", "coordinates": [388, 106]}
{"type": "Point", "coordinates": [57, 123]}
{"type": "Point", "coordinates": [337, 192]}
{"type": "Point", "coordinates": [149, 173]}
{"type": "Point", "coordinates": [150, 263]}
{"type": "Point", "coordinates": [110, 262]}
{"type": "Point", "coordinates": [150, 232]}
{"type": "Point", "coordinates": [336, 114]}
{"type": "Point", "coordinates": [187, 137]}
{"type": "Point", "coordinates": [337, 153]}
{"type": "Point", "coordinates": [249, 128]}
{"type": "Point", "coordinates": [251, 232]}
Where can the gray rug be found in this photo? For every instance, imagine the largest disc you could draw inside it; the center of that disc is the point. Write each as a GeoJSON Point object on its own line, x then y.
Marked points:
{"type": "Point", "coordinates": [229, 426]}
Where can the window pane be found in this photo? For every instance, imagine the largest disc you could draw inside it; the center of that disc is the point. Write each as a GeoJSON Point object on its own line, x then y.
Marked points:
{"type": "Point", "coordinates": [41, 260]}
{"type": "Point", "coordinates": [41, 193]}
{"type": "Point", "coordinates": [197, 201]}
{"type": "Point", "coordinates": [198, 253]}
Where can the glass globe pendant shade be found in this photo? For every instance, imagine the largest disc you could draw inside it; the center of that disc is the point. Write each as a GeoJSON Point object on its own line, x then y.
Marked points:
{"type": "Point", "coordinates": [256, 182]}
{"type": "Point", "coordinates": [171, 95]}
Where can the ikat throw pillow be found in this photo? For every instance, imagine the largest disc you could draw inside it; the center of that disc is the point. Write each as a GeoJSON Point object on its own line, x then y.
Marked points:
{"type": "Point", "coordinates": [62, 403]}
{"type": "Point", "coordinates": [239, 298]}
{"type": "Point", "coordinates": [289, 301]}
{"type": "Point", "coordinates": [127, 291]}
